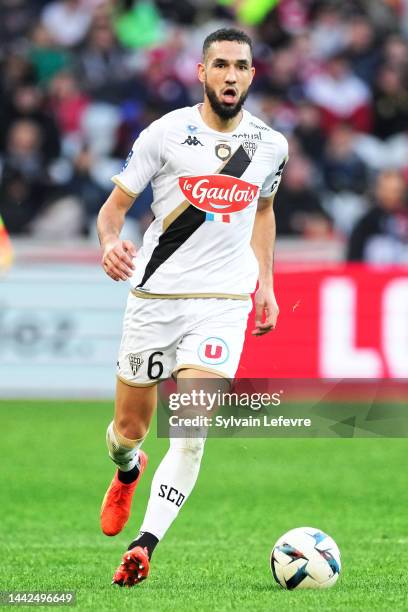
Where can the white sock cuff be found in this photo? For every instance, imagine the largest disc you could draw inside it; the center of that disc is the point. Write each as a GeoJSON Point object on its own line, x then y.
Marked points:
{"type": "Point", "coordinates": [123, 451]}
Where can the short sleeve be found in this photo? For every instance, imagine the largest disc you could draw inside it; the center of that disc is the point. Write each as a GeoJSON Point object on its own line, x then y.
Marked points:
{"type": "Point", "coordinates": [272, 181]}
{"type": "Point", "coordinates": [143, 161]}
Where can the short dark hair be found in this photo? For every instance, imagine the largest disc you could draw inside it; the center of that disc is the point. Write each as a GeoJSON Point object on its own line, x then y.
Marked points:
{"type": "Point", "coordinates": [230, 34]}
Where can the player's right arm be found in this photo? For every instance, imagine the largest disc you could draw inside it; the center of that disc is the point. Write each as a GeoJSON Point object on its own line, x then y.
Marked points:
{"type": "Point", "coordinates": [142, 164]}
{"type": "Point", "coordinates": [116, 253]}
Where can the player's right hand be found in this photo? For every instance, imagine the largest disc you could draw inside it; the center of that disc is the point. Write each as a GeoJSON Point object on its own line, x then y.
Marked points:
{"type": "Point", "coordinates": [117, 259]}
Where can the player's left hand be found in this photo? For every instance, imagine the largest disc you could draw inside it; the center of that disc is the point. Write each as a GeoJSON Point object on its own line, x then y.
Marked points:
{"type": "Point", "coordinates": [265, 302]}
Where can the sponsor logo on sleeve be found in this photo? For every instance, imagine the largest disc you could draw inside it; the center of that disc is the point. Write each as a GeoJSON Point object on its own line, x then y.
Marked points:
{"type": "Point", "coordinates": [127, 160]}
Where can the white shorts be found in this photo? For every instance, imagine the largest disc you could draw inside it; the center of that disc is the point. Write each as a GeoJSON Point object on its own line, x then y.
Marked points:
{"type": "Point", "coordinates": [162, 336]}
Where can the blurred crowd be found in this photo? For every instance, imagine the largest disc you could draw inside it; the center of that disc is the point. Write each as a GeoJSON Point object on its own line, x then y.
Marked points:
{"type": "Point", "coordinates": [81, 78]}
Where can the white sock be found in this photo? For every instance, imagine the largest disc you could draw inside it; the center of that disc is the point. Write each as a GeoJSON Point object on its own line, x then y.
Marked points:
{"type": "Point", "coordinates": [173, 482]}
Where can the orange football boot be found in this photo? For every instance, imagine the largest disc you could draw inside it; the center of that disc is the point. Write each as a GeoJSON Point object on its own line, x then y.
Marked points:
{"type": "Point", "coordinates": [133, 569]}
{"type": "Point", "coordinates": [117, 502]}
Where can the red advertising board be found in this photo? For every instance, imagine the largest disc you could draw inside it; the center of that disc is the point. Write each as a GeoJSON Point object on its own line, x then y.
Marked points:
{"type": "Point", "coordinates": [346, 321]}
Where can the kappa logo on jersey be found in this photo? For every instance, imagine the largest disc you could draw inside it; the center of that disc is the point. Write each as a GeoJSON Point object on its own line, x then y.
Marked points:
{"type": "Point", "coordinates": [192, 140]}
{"type": "Point", "coordinates": [218, 193]}
{"type": "Point", "coordinates": [213, 351]}
{"type": "Point", "coordinates": [135, 361]}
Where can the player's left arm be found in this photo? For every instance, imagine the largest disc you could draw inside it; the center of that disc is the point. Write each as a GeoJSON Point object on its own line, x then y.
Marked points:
{"type": "Point", "coordinates": [263, 245]}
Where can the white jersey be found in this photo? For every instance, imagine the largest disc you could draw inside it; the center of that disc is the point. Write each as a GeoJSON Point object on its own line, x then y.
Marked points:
{"type": "Point", "coordinates": [206, 185]}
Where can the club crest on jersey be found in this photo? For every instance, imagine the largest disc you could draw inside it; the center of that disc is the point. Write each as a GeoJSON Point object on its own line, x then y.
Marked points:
{"type": "Point", "coordinates": [250, 148]}
{"type": "Point", "coordinates": [213, 351]}
{"type": "Point", "coordinates": [223, 151]}
{"type": "Point", "coordinates": [192, 129]}
{"type": "Point", "coordinates": [218, 195]}
{"type": "Point", "coordinates": [135, 362]}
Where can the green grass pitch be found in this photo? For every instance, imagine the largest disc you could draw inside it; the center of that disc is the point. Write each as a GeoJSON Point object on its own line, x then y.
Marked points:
{"type": "Point", "coordinates": [55, 469]}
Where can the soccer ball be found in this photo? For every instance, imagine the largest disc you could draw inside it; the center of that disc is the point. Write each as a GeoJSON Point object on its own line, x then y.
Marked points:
{"type": "Point", "coordinates": [305, 558]}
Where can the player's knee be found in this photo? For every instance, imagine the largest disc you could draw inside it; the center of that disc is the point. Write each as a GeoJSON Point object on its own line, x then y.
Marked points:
{"type": "Point", "coordinates": [121, 448]}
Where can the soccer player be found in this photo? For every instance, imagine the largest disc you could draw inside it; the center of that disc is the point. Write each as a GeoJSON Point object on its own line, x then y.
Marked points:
{"type": "Point", "coordinates": [214, 170]}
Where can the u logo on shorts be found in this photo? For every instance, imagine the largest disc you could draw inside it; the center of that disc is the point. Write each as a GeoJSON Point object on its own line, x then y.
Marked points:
{"type": "Point", "coordinates": [213, 351]}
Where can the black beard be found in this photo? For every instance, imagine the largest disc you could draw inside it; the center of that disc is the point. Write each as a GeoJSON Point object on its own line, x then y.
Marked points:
{"type": "Point", "coordinates": [224, 111]}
